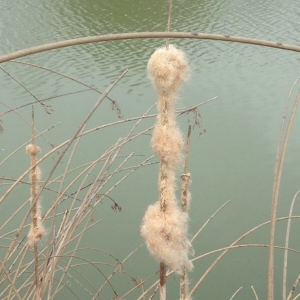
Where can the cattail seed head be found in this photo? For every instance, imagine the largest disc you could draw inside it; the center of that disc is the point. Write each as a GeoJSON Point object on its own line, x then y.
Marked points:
{"type": "Point", "coordinates": [165, 235]}
{"type": "Point", "coordinates": [167, 142]}
{"type": "Point", "coordinates": [32, 149]}
{"type": "Point", "coordinates": [167, 69]}
{"type": "Point", "coordinates": [35, 233]}
{"type": "Point", "coordinates": [36, 173]}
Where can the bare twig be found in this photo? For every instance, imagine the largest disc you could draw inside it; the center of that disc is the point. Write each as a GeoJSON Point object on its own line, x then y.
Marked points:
{"type": "Point", "coordinates": [145, 35]}
{"type": "Point", "coordinates": [254, 292]}
{"type": "Point", "coordinates": [185, 177]}
{"type": "Point", "coordinates": [10, 282]}
{"type": "Point", "coordinates": [280, 155]}
{"type": "Point", "coordinates": [45, 106]}
{"type": "Point", "coordinates": [169, 23]}
{"type": "Point", "coordinates": [208, 220]}
{"type": "Point", "coordinates": [233, 244]}
{"type": "Point", "coordinates": [285, 259]}
{"type": "Point", "coordinates": [235, 293]}
{"type": "Point", "coordinates": [293, 288]}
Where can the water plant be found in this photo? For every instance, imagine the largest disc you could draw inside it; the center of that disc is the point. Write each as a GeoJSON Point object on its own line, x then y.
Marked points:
{"type": "Point", "coordinates": [76, 193]}
{"type": "Point", "coordinates": [165, 223]}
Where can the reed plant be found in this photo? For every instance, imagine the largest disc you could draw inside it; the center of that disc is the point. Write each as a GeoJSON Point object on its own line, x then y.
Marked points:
{"type": "Point", "coordinates": [165, 223]}
{"type": "Point", "coordinates": [39, 264]}
{"type": "Point", "coordinates": [42, 263]}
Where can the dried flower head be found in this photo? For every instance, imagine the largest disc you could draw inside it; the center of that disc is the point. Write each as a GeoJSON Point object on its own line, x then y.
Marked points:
{"type": "Point", "coordinates": [35, 233]}
{"type": "Point", "coordinates": [167, 69]}
{"type": "Point", "coordinates": [32, 149]}
{"type": "Point", "coordinates": [165, 235]}
{"type": "Point", "coordinates": [167, 142]}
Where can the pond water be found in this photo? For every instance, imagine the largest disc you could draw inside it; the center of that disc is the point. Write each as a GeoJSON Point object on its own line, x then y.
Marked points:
{"type": "Point", "coordinates": [233, 160]}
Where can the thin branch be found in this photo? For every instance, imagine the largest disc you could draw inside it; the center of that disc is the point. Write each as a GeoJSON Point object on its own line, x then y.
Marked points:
{"type": "Point", "coordinates": [185, 177]}
{"type": "Point", "coordinates": [293, 288]}
{"type": "Point", "coordinates": [280, 156]}
{"type": "Point", "coordinates": [145, 35]}
{"type": "Point", "coordinates": [287, 236]}
{"type": "Point", "coordinates": [235, 293]}
{"type": "Point", "coordinates": [233, 244]}
{"type": "Point", "coordinates": [169, 23]}
{"type": "Point", "coordinates": [208, 220]}
{"type": "Point", "coordinates": [10, 282]}
{"type": "Point", "coordinates": [45, 106]}
{"type": "Point", "coordinates": [254, 292]}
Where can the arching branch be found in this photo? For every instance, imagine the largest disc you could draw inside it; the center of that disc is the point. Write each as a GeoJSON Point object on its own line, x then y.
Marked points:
{"type": "Point", "coordinates": [145, 35]}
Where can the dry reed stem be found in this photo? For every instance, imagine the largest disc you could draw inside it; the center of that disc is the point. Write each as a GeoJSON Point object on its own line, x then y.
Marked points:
{"type": "Point", "coordinates": [298, 296]}
{"type": "Point", "coordinates": [26, 143]}
{"type": "Point", "coordinates": [169, 23]}
{"type": "Point", "coordinates": [235, 293]}
{"type": "Point", "coordinates": [115, 271]}
{"type": "Point", "coordinates": [70, 78]}
{"type": "Point", "coordinates": [145, 35]}
{"type": "Point", "coordinates": [293, 288]}
{"type": "Point", "coordinates": [276, 186]}
{"type": "Point", "coordinates": [37, 229]}
{"type": "Point", "coordinates": [92, 264]}
{"type": "Point", "coordinates": [116, 146]}
{"type": "Point", "coordinates": [72, 256]}
{"type": "Point", "coordinates": [19, 115]}
{"type": "Point", "coordinates": [185, 177]}
{"type": "Point", "coordinates": [285, 259]}
{"type": "Point", "coordinates": [243, 246]}
{"type": "Point", "coordinates": [59, 193]}
{"type": "Point", "coordinates": [17, 271]}
{"type": "Point", "coordinates": [9, 252]}
{"type": "Point", "coordinates": [225, 249]}
{"type": "Point", "coordinates": [45, 106]}
{"type": "Point", "coordinates": [79, 130]}
{"type": "Point", "coordinates": [208, 220]}
{"type": "Point", "coordinates": [233, 244]}
{"type": "Point", "coordinates": [162, 281]}
{"type": "Point", "coordinates": [125, 159]}
{"type": "Point", "coordinates": [254, 292]}
{"type": "Point", "coordinates": [10, 282]}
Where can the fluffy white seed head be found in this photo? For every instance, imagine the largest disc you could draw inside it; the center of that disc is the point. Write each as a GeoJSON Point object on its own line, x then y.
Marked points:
{"type": "Point", "coordinates": [167, 69]}
{"type": "Point", "coordinates": [165, 235]}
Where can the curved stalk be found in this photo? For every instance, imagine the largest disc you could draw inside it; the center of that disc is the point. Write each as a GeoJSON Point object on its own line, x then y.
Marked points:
{"type": "Point", "coordinates": [145, 35]}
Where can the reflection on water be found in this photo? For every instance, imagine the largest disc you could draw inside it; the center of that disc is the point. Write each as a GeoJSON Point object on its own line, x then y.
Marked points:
{"type": "Point", "coordinates": [233, 160]}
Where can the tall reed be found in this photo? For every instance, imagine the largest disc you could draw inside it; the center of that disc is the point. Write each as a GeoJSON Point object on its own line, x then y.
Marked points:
{"type": "Point", "coordinates": [165, 223]}
{"type": "Point", "coordinates": [37, 229]}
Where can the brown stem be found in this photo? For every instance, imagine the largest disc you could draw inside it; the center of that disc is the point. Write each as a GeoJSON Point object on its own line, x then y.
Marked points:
{"type": "Point", "coordinates": [169, 23]}
{"type": "Point", "coordinates": [185, 177]}
{"type": "Point", "coordinates": [276, 187]}
{"type": "Point", "coordinates": [293, 288]}
{"type": "Point", "coordinates": [145, 35]}
{"type": "Point", "coordinates": [162, 281]}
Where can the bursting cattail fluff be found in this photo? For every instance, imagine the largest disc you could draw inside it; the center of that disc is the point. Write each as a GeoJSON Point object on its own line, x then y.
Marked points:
{"type": "Point", "coordinates": [165, 224]}
{"type": "Point", "coordinates": [37, 229]}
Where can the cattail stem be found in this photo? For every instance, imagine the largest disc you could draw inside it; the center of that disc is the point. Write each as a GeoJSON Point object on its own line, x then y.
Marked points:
{"type": "Point", "coordinates": [36, 230]}
{"type": "Point", "coordinates": [185, 177]}
{"type": "Point", "coordinates": [164, 224]}
{"type": "Point", "coordinates": [276, 187]}
{"type": "Point", "coordinates": [169, 24]}
{"type": "Point", "coordinates": [162, 281]}
{"type": "Point", "coordinates": [164, 115]}
{"type": "Point", "coordinates": [34, 209]}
